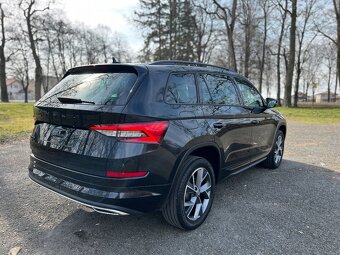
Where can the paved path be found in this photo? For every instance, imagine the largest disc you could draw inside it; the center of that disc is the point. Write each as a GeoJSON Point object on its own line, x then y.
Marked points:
{"type": "Point", "coordinates": [292, 210]}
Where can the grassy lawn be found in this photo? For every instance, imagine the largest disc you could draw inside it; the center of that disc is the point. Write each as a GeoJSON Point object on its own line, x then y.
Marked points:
{"type": "Point", "coordinates": [311, 115]}
{"type": "Point", "coordinates": [16, 121]}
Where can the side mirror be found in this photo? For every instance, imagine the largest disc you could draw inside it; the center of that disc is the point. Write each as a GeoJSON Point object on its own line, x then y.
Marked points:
{"type": "Point", "coordinates": [271, 102]}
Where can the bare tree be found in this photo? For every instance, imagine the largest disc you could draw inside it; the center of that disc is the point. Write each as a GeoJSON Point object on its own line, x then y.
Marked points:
{"type": "Point", "coordinates": [120, 47]}
{"type": "Point", "coordinates": [3, 59]}
{"type": "Point", "coordinates": [291, 59]}
{"type": "Point", "coordinates": [335, 41]}
{"type": "Point", "coordinates": [337, 14]}
{"type": "Point", "coordinates": [330, 61]}
{"type": "Point", "coordinates": [283, 11]}
{"type": "Point", "coordinates": [266, 8]}
{"type": "Point", "coordinates": [248, 21]}
{"type": "Point", "coordinates": [205, 39]}
{"type": "Point", "coordinates": [228, 16]}
{"type": "Point", "coordinates": [104, 35]}
{"type": "Point", "coordinates": [301, 32]}
{"type": "Point", "coordinates": [30, 11]}
{"type": "Point", "coordinates": [21, 69]}
{"type": "Point", "coordinates": [313, 59]}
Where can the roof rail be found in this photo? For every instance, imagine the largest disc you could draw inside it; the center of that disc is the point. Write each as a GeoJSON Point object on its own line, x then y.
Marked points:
{"type": "Point", "coordinates": [189, 63]}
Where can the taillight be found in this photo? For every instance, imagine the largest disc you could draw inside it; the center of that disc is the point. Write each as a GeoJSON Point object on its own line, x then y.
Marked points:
{"type": "Point", "coordinates": [147, 132]}
{"type": "Point", "coordinates": [126, 174]}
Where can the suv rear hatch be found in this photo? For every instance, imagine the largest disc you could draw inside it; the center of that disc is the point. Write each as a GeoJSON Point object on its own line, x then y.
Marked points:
{"type": "Point", "coordinates": [86, 96]}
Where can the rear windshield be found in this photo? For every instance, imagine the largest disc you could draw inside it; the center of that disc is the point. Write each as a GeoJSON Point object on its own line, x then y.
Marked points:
{"type": "Point", "coordinates": [100, 88]}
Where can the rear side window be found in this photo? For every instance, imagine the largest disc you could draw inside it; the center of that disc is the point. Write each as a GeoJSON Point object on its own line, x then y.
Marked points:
{"type": "Point", "coordinates": [205, 93]}
{"type": "Point", "coordinates": [181, 89]}
{"type": "Point", "coordinates": [218, 90]}
{"type": "Point", "coordinates": [100, 88]}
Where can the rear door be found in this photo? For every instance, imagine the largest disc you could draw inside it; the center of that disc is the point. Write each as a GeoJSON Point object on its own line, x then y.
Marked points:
{"type": "Point", "coordinates": [263, 123]}
{"type": "Point", "coordinates": [226, 118]}
{"type": "Point", "coordinates": [62, 134]}
{"type": "Point", "coordinates": [183, 109]}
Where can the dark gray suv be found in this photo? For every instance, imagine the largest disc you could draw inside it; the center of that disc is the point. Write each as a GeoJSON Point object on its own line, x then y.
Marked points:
{"type": "Point", "coordinates": [125, 139]}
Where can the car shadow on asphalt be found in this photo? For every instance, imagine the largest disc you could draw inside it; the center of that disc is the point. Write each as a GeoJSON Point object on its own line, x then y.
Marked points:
{"type": "Point", "coordinates": [293, 209]}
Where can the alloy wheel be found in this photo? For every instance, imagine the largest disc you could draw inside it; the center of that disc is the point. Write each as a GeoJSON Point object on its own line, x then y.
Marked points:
{"type": "Point", "coordinates": [197, 194]}
{"type": "Point", "coordinates": [278, 152]}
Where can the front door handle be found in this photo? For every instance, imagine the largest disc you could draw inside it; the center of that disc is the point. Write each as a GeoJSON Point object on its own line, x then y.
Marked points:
{"type": "Point", "coordinates": [255, 122]}
{"type": "Point", "coordinates": [218, 125]}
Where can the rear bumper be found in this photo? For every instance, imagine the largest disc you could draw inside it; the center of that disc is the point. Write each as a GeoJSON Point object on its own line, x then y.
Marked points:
{"type": "Point", "coordinates": [98, 193]}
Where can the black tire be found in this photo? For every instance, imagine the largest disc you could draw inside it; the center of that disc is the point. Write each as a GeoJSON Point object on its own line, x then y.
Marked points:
{"type": "Point", "coordinates": [271, 162]}
{"type": "Point", "coordinates": [174, 211]}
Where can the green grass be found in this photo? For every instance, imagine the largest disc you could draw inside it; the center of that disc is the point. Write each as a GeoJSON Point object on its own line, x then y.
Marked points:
{"type": "Point", "coordinates": [16, 121]}
{"type": "Point", "coordinates": [311, 115]}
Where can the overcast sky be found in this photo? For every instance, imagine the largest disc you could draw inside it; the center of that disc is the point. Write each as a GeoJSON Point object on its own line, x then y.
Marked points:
{"type": "Point", "coordinates": [116, 14]}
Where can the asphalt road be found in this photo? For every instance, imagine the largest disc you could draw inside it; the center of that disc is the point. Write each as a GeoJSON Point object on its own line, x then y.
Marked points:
{"type": "Point", "coordinates": [291, 210]}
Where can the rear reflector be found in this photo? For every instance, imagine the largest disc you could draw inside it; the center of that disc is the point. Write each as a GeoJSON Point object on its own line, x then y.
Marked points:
{"type": "Point", "coordinates": [145, 132]}
{"type": "Point", "coordinates": [126, 174]}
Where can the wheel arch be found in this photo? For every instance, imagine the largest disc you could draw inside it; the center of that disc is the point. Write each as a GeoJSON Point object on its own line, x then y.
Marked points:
{"type": "Point", "coordinates": [283, 128]}
{"type": "Point", "coordinates": [208, 150]}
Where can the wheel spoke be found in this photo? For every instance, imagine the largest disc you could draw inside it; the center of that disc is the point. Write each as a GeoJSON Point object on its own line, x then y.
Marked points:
{"type": "Point", "coordinates": [199, 177]}
{"type": "Point", "coordinates": [197, 210]}
{"type": "Point", "coordinates": [204, 176]}
{"type": "Point", "coordinates": [191, 204]}
{"type": "Point", "coordinates": [279, 140]}
{"type": "Point", "coordinates": [193, 179]}
{"type": "Point", "coordinates": [205, 205]}
{"type": "Point", "coordinates": [205, 187]}
{"type": "Point", "coordinates": [191, 188]}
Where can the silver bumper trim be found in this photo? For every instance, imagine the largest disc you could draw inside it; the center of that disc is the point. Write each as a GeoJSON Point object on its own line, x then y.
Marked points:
{"type": "Point", "coordinates": [98, 209]}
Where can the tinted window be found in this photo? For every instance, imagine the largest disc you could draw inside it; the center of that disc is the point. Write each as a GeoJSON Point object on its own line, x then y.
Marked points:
{"type": "Point", "coordinates": [181, 89]}
{"type": "Point", "coordinates": [249, 94]}
{"type": "Point", "coordinates": [101, 88]}
{"type": "Point", "coordinates": [221, 90]}
{"type": "Point", "coordinates": [205, 93]}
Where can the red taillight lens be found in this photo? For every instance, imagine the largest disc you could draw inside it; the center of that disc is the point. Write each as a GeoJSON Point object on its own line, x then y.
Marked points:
{"type": "Point", "coordinates": [147, 132]}
{"type": "Point", "coordinates": [125, 174]}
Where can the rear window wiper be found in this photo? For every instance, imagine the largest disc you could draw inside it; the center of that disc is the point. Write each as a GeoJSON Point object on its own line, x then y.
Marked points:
{"type": "Point", "coordinates": [69, 100]}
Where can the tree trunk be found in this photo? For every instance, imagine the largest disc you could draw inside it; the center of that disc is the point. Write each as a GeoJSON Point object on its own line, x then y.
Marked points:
{"type": "Point", "coordinates": [297, 81]}
{"type": "Point", "coordinates": [336, 86]}
{"type": "Point", "coordinates": [26, 95]}
{"type": "Point", "coordinates": [38, 68]}
{"type": "Point", "coordinates": [298, 71]}
{"type": "Point", "coordinates": [263, 49]}
{"type": "Point", "coordinates": [291, 61]}
{"type": "Point", "coordinates": [247, 50]}
{"type": "Point", "coordinates": [307, 87]}
{"type": "Point", "coordinates": [338, 50]}
{"type": "Point", "coordinates": [337, 13]}
{"type": "Point", "coordinates": [231, 49]}
{"type": "Point", "coordinates": [329, 84]}
{"type": "Point", "coordinates": [278, 59]}
{"type": "Point", "coordinates": [3, 85]}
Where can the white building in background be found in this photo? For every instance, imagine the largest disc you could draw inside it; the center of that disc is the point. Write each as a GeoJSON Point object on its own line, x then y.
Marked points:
{"type": "Point", "coordinates": [16, 92]}
{"type": "Point", "coordinates": [323, 97]}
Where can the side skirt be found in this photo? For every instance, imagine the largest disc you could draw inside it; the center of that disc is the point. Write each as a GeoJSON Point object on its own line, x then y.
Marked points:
{"type": "Point", "coordinates": [244, 168]}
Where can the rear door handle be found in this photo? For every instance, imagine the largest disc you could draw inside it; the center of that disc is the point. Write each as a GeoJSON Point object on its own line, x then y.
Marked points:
{"type": "Point", "coordinates": [255, 122]}
{"type": "Point", "coordinates": [218, 125]}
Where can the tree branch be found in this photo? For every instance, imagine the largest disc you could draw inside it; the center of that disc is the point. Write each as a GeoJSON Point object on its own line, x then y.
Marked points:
{"type": "Point", "coordinates": [325, 35]}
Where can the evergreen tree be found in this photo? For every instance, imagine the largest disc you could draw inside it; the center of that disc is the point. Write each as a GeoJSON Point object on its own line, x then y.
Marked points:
{"type": "Point", "coordinates": [170, 29]}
